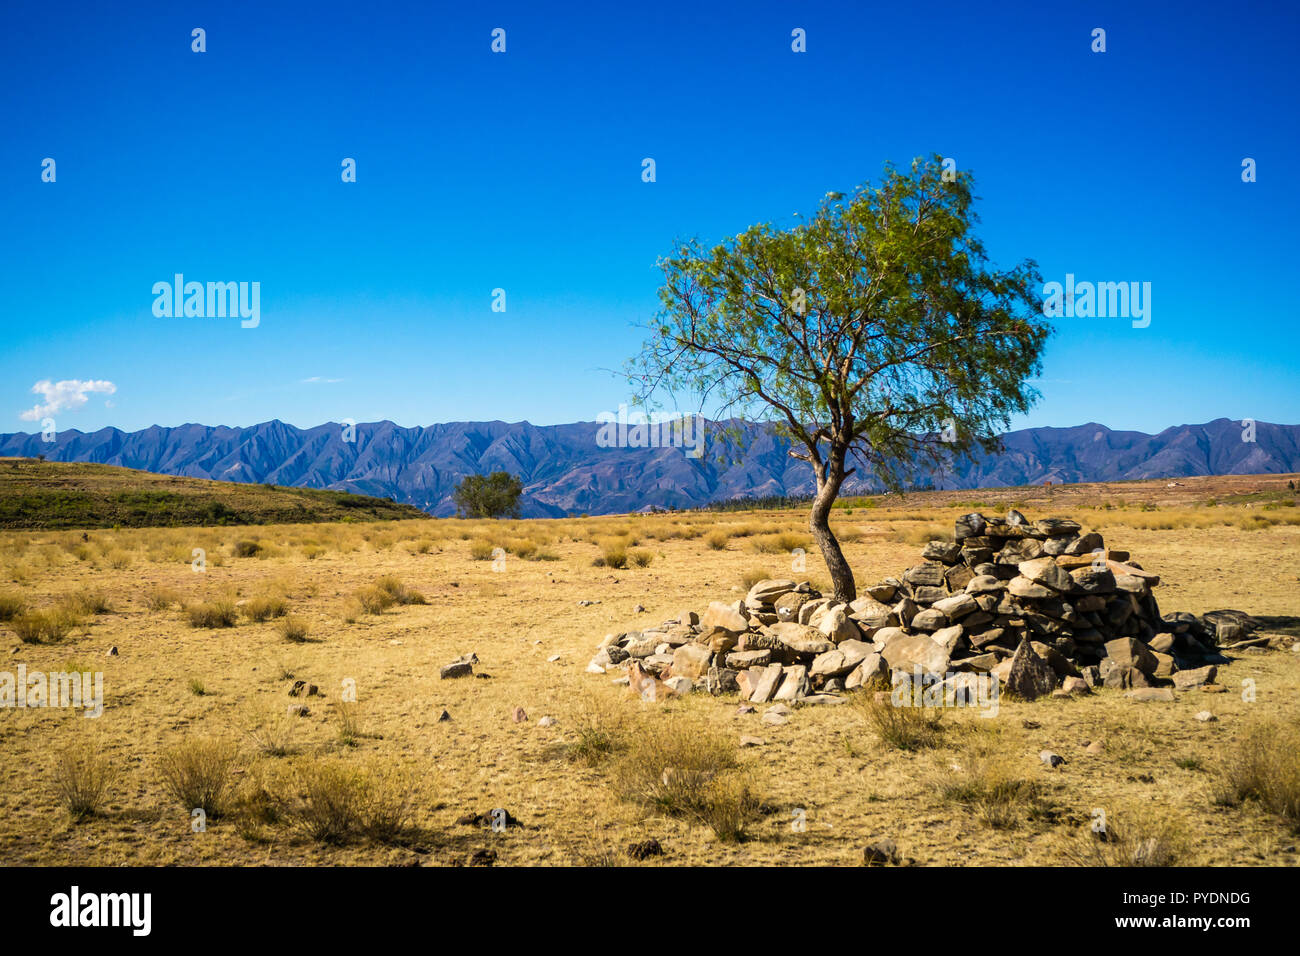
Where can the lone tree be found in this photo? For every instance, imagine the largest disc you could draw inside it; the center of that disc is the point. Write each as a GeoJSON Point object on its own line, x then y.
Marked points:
{"type": "Point", "coordinates": [874, 333]}
{"type": "Point", "coordinates": [489, 496]}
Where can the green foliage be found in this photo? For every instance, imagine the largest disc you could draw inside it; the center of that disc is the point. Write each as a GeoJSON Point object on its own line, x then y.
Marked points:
{"type": "Point", "coordinates": [876, 331]}
{"type": "Point", "coordinates": [489, 496]}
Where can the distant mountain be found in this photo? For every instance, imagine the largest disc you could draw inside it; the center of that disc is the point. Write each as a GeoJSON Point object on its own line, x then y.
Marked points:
{"type": "Point", "coordinates": [566, 471]}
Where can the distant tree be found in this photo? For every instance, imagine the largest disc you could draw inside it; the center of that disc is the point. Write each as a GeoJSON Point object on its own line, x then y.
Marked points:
{"type": "Point", "coordinates": [489, 496]}
{"type": "Point", "coordinates": [874, 329]}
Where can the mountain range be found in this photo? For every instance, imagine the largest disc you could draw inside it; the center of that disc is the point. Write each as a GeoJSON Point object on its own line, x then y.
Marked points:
{"type": "Point", "coordinates": [565, 470]}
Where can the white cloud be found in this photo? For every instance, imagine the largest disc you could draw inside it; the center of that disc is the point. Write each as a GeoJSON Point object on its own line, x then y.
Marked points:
{"type": "Point", "coordinates": [64, 396]}
{"type": "Point", "coordinates": [318, 380]}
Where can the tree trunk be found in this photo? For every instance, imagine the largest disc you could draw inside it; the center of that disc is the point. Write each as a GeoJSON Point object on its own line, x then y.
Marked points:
{"type": "Point", "coordinates": [829, 480]}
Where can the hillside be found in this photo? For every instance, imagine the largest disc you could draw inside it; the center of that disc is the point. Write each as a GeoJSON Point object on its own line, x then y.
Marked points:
{"type": "Point", "coordinates": [51, 495]}
{"type": "Point", "coordinates": [565, 470]}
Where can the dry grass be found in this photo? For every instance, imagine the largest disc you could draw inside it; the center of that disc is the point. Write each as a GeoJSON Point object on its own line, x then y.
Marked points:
{"type": "Point", "coordinates": [198, 774]}
{"type": "Point", "coordinates": [293, 629]}
{"type": "Point", "coordinates": [900, 728]}
{"type": "Point", "coordinates": [212, 614]}
{"type": "Point", "coordinates": [337, 803]}
{"type": "Point", "coordinates": [260, 609]}
{"type": "Point", "coordinates": [823, 759]}
{"type": "Point", "coordinates": [83, 777]}
{"type": "Point", "coordinates": [1263, 766]}
{"type": "Point", "coordinates": [43, 627]}
{"type": "Point", "coordinates": [678, 767]}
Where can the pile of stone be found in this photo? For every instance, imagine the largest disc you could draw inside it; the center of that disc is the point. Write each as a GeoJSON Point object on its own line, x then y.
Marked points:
{"type": "Point", "coordinates": [1043, 606]}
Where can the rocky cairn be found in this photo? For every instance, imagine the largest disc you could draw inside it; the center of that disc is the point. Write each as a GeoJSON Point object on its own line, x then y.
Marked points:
{"type": "Point", "coordinates": [1043, 606]}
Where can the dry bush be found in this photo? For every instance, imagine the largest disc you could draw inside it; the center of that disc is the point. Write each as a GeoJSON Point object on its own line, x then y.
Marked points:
{"type": "Point", "coordinates": [480, 549]}
{"type": "Point", "coordinates": [613, 555]}
{"type": "Point", "coordinates": [161, 599]}
{"type": "Point", "coordinates": [83, 776]}
{"type": "Point", "coordinates": [86, 602]}
{"type": "Point", "coordinates": [902, 728]}
{"type": "Point", "coordinates": [1264, 766]}
{"type": "Point", "coordinates": [601, 726]}
{"type": "Point", "coordinates": [717, 540]}
{"type": "Point", "coordinates": [247, 549]}
{"type": "Point", "coordinates": [1149, 836]}
{"type": "Point", "coordinates": [198, 774]}
{"type": "Point", "coordinates": [640, 558]}
{"type": "Point", "coordinates": [293, 629]}
{"type": "Point", "coordinates": [43, 627]}
{"type": "Point", "coordinates": [271, 733]}
{"type": "Point", "coordinates": [782, 543]}
{"type": "Point", "coordinates": [212, 614]}
{"type": "Point", "coordinates": [347, 723]}
{"type": "Point", "coordinates": [682, 768]}
{"type": "Point", "coordinates": [753, 576]}
{"type": "Point", "coordinates": [988, 782]}
{"type": "Point", "coordinates": [11, 606]}
{"type": "Point", "coordinates": [373, 600]}
{"type": "Point", "coordinates": [399, 592]}
{"type": "Point", "coordinates": [264, 608]}
{"type": "Point", "coordinates": [337, 803]}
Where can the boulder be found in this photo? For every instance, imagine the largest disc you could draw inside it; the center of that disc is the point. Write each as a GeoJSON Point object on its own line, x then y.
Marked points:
{"type": "Point", "coordinates": [916, 652]}
{"type": "Point", "coordinates": [766, 592]}
{"type": "Point", "coordinates": [1028, 676]}
{"type": "Point", "coordinates": [724, 616]}
{"type": "Point", "coordinates": [1130, 652]}
{"type": "Point", "coordinates": [691, 660]}
{"type": "Point", "coordinates": [1047, 572]}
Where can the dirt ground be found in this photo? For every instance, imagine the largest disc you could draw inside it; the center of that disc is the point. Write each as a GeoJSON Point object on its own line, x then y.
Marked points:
{"type": "Point", "coordinates": [829, 785]}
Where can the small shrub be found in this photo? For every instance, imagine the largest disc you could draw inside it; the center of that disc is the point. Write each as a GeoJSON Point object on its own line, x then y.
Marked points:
{"type": "Point", "coordinates": [1145, 838]}
{"type": "Point", "coordinates": [481, 550]}
{"type": "Point", "coordinates": [43, 627]}
{"type": "Point", "coordinates": [347, 722]}
{"type": "Point", "coordinates": [399, 592]}
{"type": "Point", "coordinates": [247, 549]}
{"type": "Point", "coordinates": [198, 774]}
{"type": "Point", "coordinates": [680, 768]}
{"type": "Point", "coordinates": [989, 784]}
{"type": "Point", "coordinates": [717, 540]}
{"type": "Point", "coordinates": [293, 629]}
{"type": "Point", "coordinates": [271, 734]}
{"type": "Point", "coordinates": [601, 729]}
{"type": "Point", "coordinates": [212, 614]}
{"type": "Point", "coordinates": [753, 576]}
{"type": "Point", "coordinates": [613, 556]}
{"type": "Point", "coordinates": [197, 687]}
{"type": "Point", "coordinates": [264, 608]}
{"type": "Point", "coordinates": [11, 606]}
{"type": "Point", "coordinates": [902, 728]}
{"type": "Point", "coordinates": [161, 599]}
{"type": "Point", "coordinates": [641, 558]}
{"type": "Point", "coordinates": [338, 803]}
{"type": "Point", "coordinates": [373, 600]}
{"type": "Point", "coordinates": [83, 776]}
{"type": "Point", "coordinates": [86, 602]}
{"type": "Point", "coordinates": [1264, 766]}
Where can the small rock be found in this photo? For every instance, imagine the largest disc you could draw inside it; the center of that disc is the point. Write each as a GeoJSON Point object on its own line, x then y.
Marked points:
{"type": "Point", "coordinates": [645, 849]}
{"type": "Point", "coordinates": [1205, 717]}
{"type": "Point", "coordinates": [518, 715]}
{"type": "Point", "coordinates": [299, 710]}
{"type": "Point", "coordinates": [1144, 694]}
{"type": "Point", "coordinates": [111, 652]}
{"type": "Point", "coordinates": [752, 741]}
{"type": "Point", "coordinates": [1096, 747]}
{"type": "Point", "coordinates": [745, 709]}
{"type": "Point", "coordinates": [1050, 759]}
{"type": "Point", "coordinates": [553, 658]}
{"type": "Point", "coordinates": [444, 716]}
{"type": "Point", "coordinates": [880, 853]}
{"type": "Point", "coordinates": [547, 722]}
{"type": "Point", "coordinates": [638, 609]}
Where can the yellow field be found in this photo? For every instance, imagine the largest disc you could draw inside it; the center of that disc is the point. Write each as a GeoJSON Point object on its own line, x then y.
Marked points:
{"type": "Point", "coordinates": [825, 783]}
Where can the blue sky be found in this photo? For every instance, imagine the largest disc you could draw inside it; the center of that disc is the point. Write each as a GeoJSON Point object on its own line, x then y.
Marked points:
{"type": "Point", "coordinates": [522, 171]}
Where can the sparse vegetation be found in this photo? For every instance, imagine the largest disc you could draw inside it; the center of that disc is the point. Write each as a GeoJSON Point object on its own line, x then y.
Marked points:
{"type": "Point", "coordinates": [1263, 766]}
{"type": "Point", "coordinates": [901, 728]}
{"type": "Point", "coordinates": [83, 776]}
{"type": "Point", "coordinates": [198, 774]}
{"type": "Point", "coordinates": [212, 614]}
